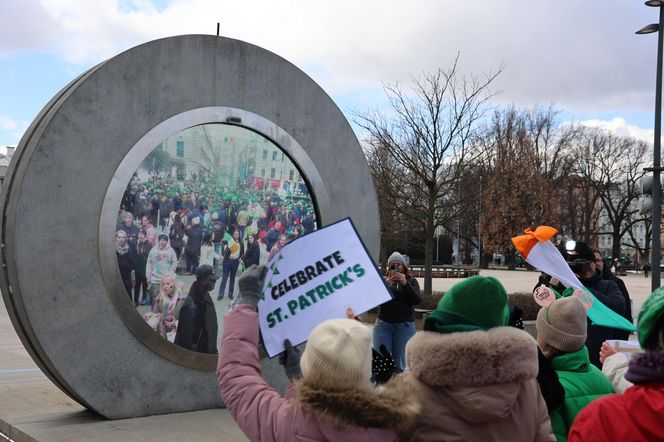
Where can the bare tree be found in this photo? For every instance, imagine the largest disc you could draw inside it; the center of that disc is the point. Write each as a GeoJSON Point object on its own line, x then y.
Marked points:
{"type": "Point", "coordinates": [614, 165]}
{"type": "Point", "coordinates": [644, 222]}
{"type": "Point", "coordinates": [427, 135]}
{"type": "Point", "coordinates": [383, 169]}
{"type": "Point", "coordinates": [579, 208]}
{"type": "Point", "coordinates": [526, 162]}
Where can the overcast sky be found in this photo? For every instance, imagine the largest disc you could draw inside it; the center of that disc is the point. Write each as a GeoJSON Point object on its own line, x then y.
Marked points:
{"type": "Point", "coordinates": [582, 56]}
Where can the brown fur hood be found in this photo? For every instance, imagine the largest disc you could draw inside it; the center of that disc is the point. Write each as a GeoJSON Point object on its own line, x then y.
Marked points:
{"type": "Point", "coordinates": [392, 405]}
{"type": "Point", "coordinates": [472, 359]}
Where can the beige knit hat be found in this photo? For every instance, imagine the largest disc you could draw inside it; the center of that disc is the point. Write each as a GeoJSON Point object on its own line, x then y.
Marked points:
{"type": "Point", "coordinates": [562, 324]}
{"type": "Point", "coordinates": [340, 351]}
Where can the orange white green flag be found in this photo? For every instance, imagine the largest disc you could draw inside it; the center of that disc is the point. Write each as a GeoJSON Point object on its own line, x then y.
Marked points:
{"type": "Point", "coordinates": [537, 249]}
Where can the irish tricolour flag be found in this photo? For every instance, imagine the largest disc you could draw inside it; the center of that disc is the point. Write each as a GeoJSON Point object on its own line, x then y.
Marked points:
{"type": "Point", "coordinates": [537, 249]}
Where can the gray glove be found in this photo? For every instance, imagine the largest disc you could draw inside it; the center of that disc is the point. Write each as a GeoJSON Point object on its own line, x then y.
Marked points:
{"type": "Point", "coordinates": [251, 285]}
{"type": "Point", "coordinates": [290, 359]}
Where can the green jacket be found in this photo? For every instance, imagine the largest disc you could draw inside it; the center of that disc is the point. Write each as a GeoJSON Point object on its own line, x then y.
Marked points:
{"type": "Point", "coordinates": [583, 383]}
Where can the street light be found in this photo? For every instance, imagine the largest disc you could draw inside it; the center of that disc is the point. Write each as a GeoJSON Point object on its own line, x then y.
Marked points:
{"type": "Point", "coordinates": [656, 253]}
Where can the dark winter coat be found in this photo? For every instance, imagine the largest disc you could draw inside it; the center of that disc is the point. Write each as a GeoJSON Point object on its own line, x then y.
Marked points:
{"type": "Point", "coordinates": [197, 326]}
{"type": "Point", "coordinates": [252, 255]}
{"type": "Point", "coordinates": [271, 238]}
{"type": "Point", "coordinates": [194, 239]}
{"type": "Point", "coordinates": [547, 378]}
{"type": "Point", "coordinates": [177, 235]}
{"type": "Point", "coordinates": [126, 264]}
{"type": "Point", "coordinates": [610, 295]}
{"type": "Point", "coordinates": [165, 209]}
{"type": "Point", "coordinates": [308, 223]}
{"type": "Point", "coordinates": [141, 257]}
{"type": "Point", "coordinates": [402, 306]}
{"type": "Point", "coordinates": [621, 334]}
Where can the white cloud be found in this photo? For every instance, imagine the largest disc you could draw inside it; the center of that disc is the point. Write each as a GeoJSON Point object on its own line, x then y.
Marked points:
{"type": "Point", "coordinates": [619, 126]}
{"type": "Point", "coordinates": [580, 56]}
{"type": "Point", "coordinates": [7, 123]}
{"type": "Point", "coordinates": [11, 131]}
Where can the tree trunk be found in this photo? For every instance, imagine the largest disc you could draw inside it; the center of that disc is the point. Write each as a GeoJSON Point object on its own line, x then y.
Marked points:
{"type": "Point", "coordinates": [485, 258]}
{"type": "Point", "coordinates": [428, 261]}
{"type": "Point", "coordinates": [615, 248]}
{"type": "Point", "coordinates": [428, 242]}
{"type": "Point", "coordinates": [510, 259]}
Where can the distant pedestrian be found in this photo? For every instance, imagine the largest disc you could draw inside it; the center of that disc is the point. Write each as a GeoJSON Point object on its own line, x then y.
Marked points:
{"type": "Point", "coordinates": [396, 318]}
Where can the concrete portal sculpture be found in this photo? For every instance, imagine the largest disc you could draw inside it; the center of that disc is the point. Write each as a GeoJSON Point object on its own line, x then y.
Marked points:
{"type": "Point", "coordinates": [60, 279]}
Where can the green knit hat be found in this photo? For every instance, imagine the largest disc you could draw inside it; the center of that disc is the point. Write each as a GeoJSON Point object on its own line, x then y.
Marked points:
{"type": "Point", "coordinates": [477, 303]}
{"type": "Point", "coordinates": [651, 312]}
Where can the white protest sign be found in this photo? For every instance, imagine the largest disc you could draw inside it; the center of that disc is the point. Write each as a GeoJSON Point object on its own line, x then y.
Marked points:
{"type": "Point", "coordinates": [316, 278]}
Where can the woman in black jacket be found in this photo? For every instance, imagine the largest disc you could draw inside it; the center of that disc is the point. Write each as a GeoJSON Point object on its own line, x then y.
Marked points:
{"type": "Point", "coordinates": [252, 253]}
{"type": "Point", "coordinates": [125, 259]}
{"type": "Point", "coordinates": [176, 234]}
{"type": "Point", "coordinates": [396, 319]}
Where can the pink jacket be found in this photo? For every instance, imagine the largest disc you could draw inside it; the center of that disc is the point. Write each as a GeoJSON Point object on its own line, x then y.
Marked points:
{"type": "Point", "coordinates": [311, 410]}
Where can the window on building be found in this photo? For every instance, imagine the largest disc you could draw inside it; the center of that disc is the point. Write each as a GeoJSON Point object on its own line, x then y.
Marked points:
{"type": "Point", "coordinates": [263, 173]}
{"type": "Point", "coordinates": [179, 150]}
{"type": "Point", "coordinates": [274, 155]}
{"type": "Point", "coordinates": [272, 172]}
{"type": "Point", "coordinates": [265, 154]}
{"type": "Point", "coordinates": [291, 175]}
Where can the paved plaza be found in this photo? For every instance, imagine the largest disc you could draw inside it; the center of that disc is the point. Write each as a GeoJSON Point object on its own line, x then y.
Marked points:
{"type": "Point", "coordinates": [32, 408]}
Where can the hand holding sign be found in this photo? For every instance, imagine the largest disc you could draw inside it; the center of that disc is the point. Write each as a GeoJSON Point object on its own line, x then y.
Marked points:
{"type": "Point", "coordinates": [251, 283]}
{"type": "Point", "coordinates": [290, 359]}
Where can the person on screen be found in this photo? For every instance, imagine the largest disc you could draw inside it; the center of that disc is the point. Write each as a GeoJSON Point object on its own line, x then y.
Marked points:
{"type": "Point", "coordinates": [197, 326]}
{"type": "Point", "coordinates": [165, 304]}
{"type": "Point", "coordinates": [125, 259]}
{"type": "Point", "coordinates": [161, 259]}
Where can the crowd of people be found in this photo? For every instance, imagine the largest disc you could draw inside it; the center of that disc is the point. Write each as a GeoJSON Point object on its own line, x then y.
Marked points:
{"type": "Point", "coordinates": [471, 374]}
{"type": "Point", "coordinates": [167, 229]}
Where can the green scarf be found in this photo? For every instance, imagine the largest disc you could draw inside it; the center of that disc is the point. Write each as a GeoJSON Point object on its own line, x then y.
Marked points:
{"type": "Point", "coordinates": [442, 321]}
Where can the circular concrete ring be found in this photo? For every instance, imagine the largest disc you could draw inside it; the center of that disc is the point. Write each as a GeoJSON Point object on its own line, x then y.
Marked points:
{"type": "Point", "coordinates": [58, 293]}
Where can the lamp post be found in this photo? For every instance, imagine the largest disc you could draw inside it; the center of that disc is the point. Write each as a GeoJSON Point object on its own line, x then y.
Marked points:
{"type": "Point", "coordinates": [656, 253]}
